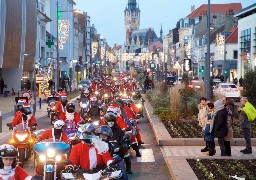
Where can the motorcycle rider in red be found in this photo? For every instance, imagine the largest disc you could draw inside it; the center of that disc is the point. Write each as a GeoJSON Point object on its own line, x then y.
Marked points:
{"type": "Point", "coordinates": [24, 116]}
{"type": "Point", "coordinates": [86, 154]}
{"type": "Point", "coordinates": [70, 113]}
{"type": "Point", "coordinates": [56, 133]}
{"type": "Point", "coordinates": [9, 169]}
{"type": "Point", "coordinates": [61, 105]}
{"type": "Point", "coordinates": [133, 112]}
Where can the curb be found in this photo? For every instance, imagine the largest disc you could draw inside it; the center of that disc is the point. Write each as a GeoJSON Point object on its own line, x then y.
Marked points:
{"type": "Point", "coordinates": [163, 137]}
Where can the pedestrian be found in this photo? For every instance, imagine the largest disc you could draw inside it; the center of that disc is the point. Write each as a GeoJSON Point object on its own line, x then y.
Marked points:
{"type": "Point", "coordinates": [146, 83]}
{"type": "Point", "coordinates": [2, 85]}
{"type": "Point", "coordinates": [222, 78]}
{"type": "Point", "coordinates": [50, 84]}
{"type": "Point", "coordinates": [63, 84]}
{"type": "Point", "coordinates": [230, 106]}
{"type": "Point", "coordinates": [235, 81]}
{"type": "Point", "coordinates": [28, 85]}
{"type": "Point", "coordinates": [208, 134]}
{"type": "Point", "coordinates": [201, 117]}
{"type": "Point", "coordinates": [220, 128]}
{"type": "Point", "coordinates": [241, 81]}
{"type": "Point", "coordinates": [245, 125]}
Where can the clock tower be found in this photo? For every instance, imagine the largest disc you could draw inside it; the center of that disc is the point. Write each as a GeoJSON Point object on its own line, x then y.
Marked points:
{"type": "Point", "coordinates": [131, 18]}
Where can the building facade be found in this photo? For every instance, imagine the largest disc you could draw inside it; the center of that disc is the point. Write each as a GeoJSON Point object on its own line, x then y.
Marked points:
{"type": "Point", "coordinates": [246, 40]}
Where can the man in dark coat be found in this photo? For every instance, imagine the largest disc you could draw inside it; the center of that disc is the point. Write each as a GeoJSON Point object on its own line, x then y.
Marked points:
{"type": "Point", "coordinates": [1, 85]}
{"type": "Point", "coordinates": [220, 127]}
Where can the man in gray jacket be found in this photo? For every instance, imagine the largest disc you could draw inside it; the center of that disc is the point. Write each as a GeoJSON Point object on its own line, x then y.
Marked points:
{"type": "Point", "coordinates": [246, 126]}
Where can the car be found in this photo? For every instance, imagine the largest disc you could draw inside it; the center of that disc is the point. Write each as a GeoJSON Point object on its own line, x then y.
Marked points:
{"type": "Point", "coordinates": [196, 84]}
{"type": "Point", "coordinates": [228, 90]}
{"type": "Point", "coordinates": [83, 84]}
{"type": "Point", "coordinates": [216, 82]}
{"type": "Point", "coordinates": [170, 80]}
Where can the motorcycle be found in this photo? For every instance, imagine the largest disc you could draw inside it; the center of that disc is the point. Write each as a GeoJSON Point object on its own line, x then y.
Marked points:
{"type": "Point", "coordinates": [23, 139]}
{"type": "Point", "coordinates": [50, 155]}
{"type": "Point", "coordinates": [50, 109]}
{"type": "Point", "coordinates": [139, 104]}
{"type": "Point", "coordinates": [83, 110]}
{"type": "Point", "coordinates": [110, 172]}
{"type": "Point", "coordinates": [106, 99]}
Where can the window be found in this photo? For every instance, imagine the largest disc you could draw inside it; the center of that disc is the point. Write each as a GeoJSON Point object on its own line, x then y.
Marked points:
{"type": "Point", "coordinates": [214, 17]}
{"type": "Point", "coordinates": [245, 41]}
{"type": "Point", "coordinates": [235, 55]}
{"type": "Point", "coordinates": [42, 8]}
{"type": "Point", "coordinates": [42, 32]}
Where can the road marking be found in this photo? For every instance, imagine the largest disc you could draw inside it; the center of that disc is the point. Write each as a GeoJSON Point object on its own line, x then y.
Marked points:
{"type": "Point", "coordinates": [146, 156]}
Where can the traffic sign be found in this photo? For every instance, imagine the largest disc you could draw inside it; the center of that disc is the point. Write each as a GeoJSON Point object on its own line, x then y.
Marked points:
{"type": "Point", "coordinates": [27, 94]}
{"type": "Point", "coordinates": [39, 78]}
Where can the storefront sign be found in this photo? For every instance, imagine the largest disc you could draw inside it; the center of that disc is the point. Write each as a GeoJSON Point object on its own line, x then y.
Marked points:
{"type": "Point", "coordinates": [39, 78]}
{"type": "Point", "coordinates": [187, 65]}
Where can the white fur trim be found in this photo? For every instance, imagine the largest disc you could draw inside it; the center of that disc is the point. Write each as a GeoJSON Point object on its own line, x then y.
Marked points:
{"type": "Point", "coordinates": [28, 178]}
{"type": "Point", "coordinates": [109, 161]}
{"type": "Point", "coordinates": [92, 157]}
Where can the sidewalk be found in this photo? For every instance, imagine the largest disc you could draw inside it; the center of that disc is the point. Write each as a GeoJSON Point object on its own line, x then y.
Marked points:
{"type": "Point", "coordinates": [176, 154]}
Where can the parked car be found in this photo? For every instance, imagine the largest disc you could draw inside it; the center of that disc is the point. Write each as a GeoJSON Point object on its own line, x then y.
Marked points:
{"type": "Point", "coordinates": [216, 82]}
{"type": "Point", "coordinates": [196, 84]}
{"type": "Point", "coordinates": [228, 90]}
{"type": "Point", "coordinates": [170, 80]}
{"type": "Point", "coordinates": [83, 84]}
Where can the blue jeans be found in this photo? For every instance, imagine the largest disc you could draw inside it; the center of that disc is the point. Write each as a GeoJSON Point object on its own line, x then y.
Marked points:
{"type": "Point", "coordinates": [122, 167]}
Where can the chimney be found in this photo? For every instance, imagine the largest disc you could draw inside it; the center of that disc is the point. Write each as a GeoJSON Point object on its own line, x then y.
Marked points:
{"type": "Point", "coordinates": [193, 8]}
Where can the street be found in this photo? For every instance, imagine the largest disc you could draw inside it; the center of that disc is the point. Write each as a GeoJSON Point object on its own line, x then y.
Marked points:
{"type": "Point", "coordinates": [150, 166]}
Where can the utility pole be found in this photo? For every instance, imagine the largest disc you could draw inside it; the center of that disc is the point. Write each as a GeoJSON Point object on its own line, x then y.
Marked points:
{"type": "Point", "coordinates": [207, 88]}
{"type": "Point", "coordinates": [57, 49]}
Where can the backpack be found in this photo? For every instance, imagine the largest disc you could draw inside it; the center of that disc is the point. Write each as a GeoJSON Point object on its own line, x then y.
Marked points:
{"type": "Point", "coordinates": [250, 111]}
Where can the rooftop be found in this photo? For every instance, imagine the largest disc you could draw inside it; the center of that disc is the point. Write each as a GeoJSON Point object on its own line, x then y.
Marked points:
{"type": "Point", "coordinates": [215, 9]}
{"type": "Point", "coordinates": [233, 38]}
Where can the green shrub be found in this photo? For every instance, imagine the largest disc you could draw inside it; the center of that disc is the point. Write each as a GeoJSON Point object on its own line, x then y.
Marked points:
{"type": "Point", "coordinates": [249, 87]}
{"type": "Point", "coordinates": [159, 110]}
{"type": "Point", "coordinates": [162, 101]}
{"type": "Point", "coordinates": [169, 115]}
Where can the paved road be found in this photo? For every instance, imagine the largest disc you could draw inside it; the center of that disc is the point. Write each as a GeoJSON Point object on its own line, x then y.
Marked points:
{"type": "Point", "coordinates": [150, 166]}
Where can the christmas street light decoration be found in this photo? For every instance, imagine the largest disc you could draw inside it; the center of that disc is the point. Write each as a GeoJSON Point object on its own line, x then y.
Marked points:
{"type": "Point", "coordinates": [63, 30]}
{"type": "Point", "coordinates": [94, 49]}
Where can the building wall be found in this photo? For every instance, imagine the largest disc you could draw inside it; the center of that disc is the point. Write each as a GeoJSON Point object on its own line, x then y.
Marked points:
{"type": "Point", "coordinates": [245, 23]}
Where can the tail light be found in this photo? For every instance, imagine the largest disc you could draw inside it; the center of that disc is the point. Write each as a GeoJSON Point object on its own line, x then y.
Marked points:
{"type": "Point", "coordinates": [190, 86]}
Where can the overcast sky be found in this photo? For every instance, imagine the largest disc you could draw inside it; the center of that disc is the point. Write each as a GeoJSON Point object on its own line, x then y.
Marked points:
{"type": "Point", "coordinates": [108, 15]}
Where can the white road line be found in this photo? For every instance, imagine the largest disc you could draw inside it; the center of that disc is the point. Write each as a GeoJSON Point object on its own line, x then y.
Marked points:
{"type": "Point", "coordinates": [146, 156]}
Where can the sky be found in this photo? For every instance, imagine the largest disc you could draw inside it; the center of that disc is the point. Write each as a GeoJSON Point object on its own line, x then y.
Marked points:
{"type": "Point", "coordinates": [108, 15]}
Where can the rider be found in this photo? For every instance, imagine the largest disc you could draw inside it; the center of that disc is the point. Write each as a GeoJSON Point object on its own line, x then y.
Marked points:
{"type": "Point", "coordinates": [94, 109]}
{"type": "Point", "coordinates": [24, 116]}
{"type": "Point", "coordinates": [61, 105]}
{"type": "Point", "coordinates": [86, 155]}
{"type": "Point", "coordinates": [114, 142]}
{"type": "Point", "coordinates": [70, 113]}
{"type": "Point", "coordinates": [84, 96]}
{"type": "Point", "coordinates": [110, 119]}
{"type": "Point", "coordinates": [19, 108]}
{"type": "Point", "coordinates": [8, 165]}
{"type": "Point", "coordinates": [56, 133]}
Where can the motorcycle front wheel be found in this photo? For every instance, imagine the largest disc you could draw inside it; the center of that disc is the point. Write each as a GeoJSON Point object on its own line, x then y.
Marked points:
{"type": "Point", "coordinates": [22, 155]}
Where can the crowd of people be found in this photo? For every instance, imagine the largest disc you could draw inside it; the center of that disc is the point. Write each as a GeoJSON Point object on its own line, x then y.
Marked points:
{"type": "Point", "coordinates": [117, 126]}
{"type": "Point", "coordinates": [216, 120]}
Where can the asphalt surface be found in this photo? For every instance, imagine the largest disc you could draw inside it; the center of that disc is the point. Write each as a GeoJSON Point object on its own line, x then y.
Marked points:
{"type": "Point", "coordinates": [151, 166]}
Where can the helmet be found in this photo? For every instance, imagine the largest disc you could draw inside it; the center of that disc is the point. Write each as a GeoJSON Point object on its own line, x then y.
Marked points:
{"type": "Point", "coordinates": [8, 151]}
{"type": "Point", "coordinates": [104, 129]}
{"type": "Point", "coordinates": [26, 109]}
{"type": "Point", "coordinates": [70, 107]}
{"type": "Point", "coordinates": [59, 124]}
{"type": "Point", "coordinates": [20, 105]}
{"type": "Point", "coordinates": [129, 102]}
{"type": "Point", "coordinates": [94, 101]}
{"type": "Point", "coordinates": [60, 89]}
{"type": "Point", "coordinates": [86, 129]}
{"type": "Point", "coordinates": [53, 93]}
{"type": "Point", "coordinates": [120, 101]}
{"type": "Point", "coordinates": [86, 92]}
{"type": "Point", "coordinates": [110, 117]}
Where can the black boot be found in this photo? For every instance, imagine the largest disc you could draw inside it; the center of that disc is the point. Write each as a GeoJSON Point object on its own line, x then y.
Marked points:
{"type": "Point", "coordinates": [140, 143]}
{"type": "Point", "coordinates": [128, 164]}
{"type": "Point", "coordinates": [135, 147]}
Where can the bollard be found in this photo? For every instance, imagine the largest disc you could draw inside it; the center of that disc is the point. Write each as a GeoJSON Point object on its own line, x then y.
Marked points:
{"type": "Point", "coordinates": [40, 103]}
{"type": "Point", "coordinates": [34, 112]}
{"type": "Point", "coordinates": [1, 122]}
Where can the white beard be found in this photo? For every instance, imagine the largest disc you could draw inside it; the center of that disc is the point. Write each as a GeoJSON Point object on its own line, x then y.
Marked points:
{"type": "Point", "coordinates": [7, 174]}
{"type": "Point", "coordinates": [70, 116]}
{"type": "Point", "coordinates": [100, 145]}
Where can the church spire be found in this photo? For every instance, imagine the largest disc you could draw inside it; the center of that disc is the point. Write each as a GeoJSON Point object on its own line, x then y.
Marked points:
{"type": "Point", "coordinates": [132, 4]}
{"type": "Point", "coordinates": [161, 32]}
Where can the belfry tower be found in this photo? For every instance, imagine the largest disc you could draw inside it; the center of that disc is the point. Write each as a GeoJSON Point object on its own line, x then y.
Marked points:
{"type": "Point", "coordinates": [131, 18]}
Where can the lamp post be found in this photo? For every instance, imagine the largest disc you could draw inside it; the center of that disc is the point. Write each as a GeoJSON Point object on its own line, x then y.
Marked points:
{"type": "Point", "coordinates": [207, 60]}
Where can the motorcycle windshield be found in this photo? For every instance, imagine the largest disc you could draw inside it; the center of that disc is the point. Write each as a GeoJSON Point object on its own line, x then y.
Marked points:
{"type": "Point", "coordinates": [60, 147]}
{"type": "Point", "coordinates": [21, 127]}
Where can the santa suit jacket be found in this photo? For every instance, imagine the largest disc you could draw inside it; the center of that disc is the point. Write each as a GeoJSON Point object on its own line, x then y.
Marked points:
{"type": "Point", "coordinates": [48, 134]}
{"type": "Point", "coordinates": [14, 174]}
{"type": "Point", "coordinates": [87, 157]}
{"type": "Point", "coordinates": [77, 117]}
{"type": "Point", "coordinates": [59, 107]}
{"type": "Point", "coordinates": [119, 121]}
{"type": "Point", "coordinates": [18, 120]}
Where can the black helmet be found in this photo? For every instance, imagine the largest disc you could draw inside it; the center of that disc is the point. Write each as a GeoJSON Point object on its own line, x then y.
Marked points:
{"type": "Point", "coordinates": [120, 101]}
{"type": "Point", "coordinates": [60, 89]}
{"type": "Point", "coordinates": [104, 129]}
{"type": "Point", "coordinates": [110, 117]}
{"type": "Point", "coordinates": [70, 107]}
{"type": "Point", "coordinates": [19, 106]}
{"type": "Point", "coordinates": [53, 93]}
{"type": "Point", "coordinates": [8, 151]}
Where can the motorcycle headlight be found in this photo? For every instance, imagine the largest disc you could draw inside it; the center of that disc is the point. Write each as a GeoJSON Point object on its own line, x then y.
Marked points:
{"type": "Point", "coordinates": [50, 153]}
{"type": "Point", "coordinates": [133, 93]}
{"type": "Point", "coordinates": [139, 105]}
{"type": "Point", "coordinates": [121, 94]}
{"type": "Point", "coordinates": [80, 86]}
{"type": "Point", "coordinates": [114, 78]}
{"type": "Point", "coordinates": [125, 95]}
{"type": "Point", "coordinates": [83, 106]}
{"type": "Point", "coordinates": [106, 95]}
{"type": "Point", "coordinates": [58, 158]}
{"type": "Point", "coordinates": [42, 158]}
{"type": "Point", "coordinates": [96, 92]}
{"type": "Point", "coordinates": [96, 123]}
{"type": "Point", "coordinates": [21, 137]}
